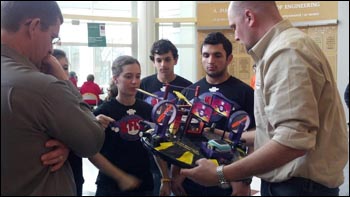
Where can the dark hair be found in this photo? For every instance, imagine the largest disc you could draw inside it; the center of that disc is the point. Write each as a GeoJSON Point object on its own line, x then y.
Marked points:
{"type": "Point", "coordinates": [58, 54]}
{"type": "Point", "coordinates": [215, 38]}
{"type": "Point", "coordinates": [90, 77]}
{"type": "Point", "coordinates": [13, 13]}
{"type": "Point", "coordinates": [163, 46]}
{"type": "Point", "coordinates": [120, 62]}
{"type": "Point", "coordinates": [112, 91]}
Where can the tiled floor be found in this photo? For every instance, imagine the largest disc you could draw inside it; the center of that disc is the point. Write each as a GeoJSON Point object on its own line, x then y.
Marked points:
{"type": "Point", "coordinates": [90, 174]}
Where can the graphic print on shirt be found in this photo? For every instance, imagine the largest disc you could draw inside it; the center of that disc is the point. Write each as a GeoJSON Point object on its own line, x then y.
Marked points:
{"type": "Point", "coordinates": [128, 127]}
{"type": "Point", "coordinates": [222, 105]}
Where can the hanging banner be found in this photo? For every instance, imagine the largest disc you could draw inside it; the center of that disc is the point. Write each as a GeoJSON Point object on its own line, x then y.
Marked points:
{"type": "Point", "coordinates": [96, 35]}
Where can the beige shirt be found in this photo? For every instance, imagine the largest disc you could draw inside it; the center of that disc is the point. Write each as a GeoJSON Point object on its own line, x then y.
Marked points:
{"type": "Point", "coordinates": [297, 104]}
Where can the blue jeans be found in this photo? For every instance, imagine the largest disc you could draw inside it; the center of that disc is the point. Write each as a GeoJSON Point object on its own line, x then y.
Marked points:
{"type": "Point", "coordinates": [297, 186]}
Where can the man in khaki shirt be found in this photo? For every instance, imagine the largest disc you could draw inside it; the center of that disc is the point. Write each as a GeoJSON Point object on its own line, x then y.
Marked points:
{"type": "Point", "coordinates": [39, 104]}
{"type": "Point", "coordinates": [301, 140]}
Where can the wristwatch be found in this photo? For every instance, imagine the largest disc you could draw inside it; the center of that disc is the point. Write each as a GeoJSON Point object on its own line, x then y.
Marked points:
{"type": "Point", "coordinates": [222, 181]}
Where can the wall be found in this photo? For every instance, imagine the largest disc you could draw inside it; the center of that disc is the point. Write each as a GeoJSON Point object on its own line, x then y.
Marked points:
{"type": "Point", "coordinates": [343, 51]}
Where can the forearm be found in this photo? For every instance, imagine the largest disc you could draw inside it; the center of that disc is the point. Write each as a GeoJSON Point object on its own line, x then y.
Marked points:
{"type": "Point", "coordinates": [175, 171]}
{"type": "Point", "coordinates": [163, 167]}
{"type": "Point", "coordinates": [107, 167]}
{"type": "Point", "coordinates": [269, 157]}
{"type": "Point", "coordinates": [249, 137]}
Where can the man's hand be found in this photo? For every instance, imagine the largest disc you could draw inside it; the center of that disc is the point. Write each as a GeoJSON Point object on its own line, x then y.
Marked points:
{"type": "Point", "coordinates": [204, 174]}
{"type": "Point", "coordinates": [50, 65]}
{"type": "Point", "coordinates": [128, 182]}
{"type": "Point", "coordinates": [240, 189]}
{"type": "Point", "coordinates": [57, 156]}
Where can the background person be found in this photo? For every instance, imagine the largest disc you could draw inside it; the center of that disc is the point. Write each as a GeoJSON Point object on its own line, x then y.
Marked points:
{"type": "Point", "coordinates": [164, 56]}
{"type": "Point", "coordinates": [91, 87]}
{"type": "Point", "coordinates": [216, 52]}
{"type": "Point", "coordinates": [75, 161]}
{"type": "Point", "coordinates": [123, 161]}
{"type": "Point", "coordinates": [73, 78]}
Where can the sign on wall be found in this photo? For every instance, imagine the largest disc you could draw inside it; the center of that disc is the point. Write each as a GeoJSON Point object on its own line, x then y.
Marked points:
{"type": "Point", "coordinates": [96, 34]}
{"type": "Point", "coordinates": [211, 15]}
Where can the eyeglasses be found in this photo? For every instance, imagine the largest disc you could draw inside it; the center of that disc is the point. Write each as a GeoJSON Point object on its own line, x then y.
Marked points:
{"type": "Point", "coordinates": [55, 40]}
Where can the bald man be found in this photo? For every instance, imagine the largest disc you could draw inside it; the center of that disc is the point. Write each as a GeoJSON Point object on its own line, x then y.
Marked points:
{"type": "Point", "coordinates": [301, 139]}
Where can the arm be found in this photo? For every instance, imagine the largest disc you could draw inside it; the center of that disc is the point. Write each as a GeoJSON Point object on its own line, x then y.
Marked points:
{"type": "Point", "coordinates": [177, 180]}
{"type": "Point", "coordinates": [240, 189]}
{"type": "Point", "coordinates": [60, 153]}
{"type": "Point", "coordinates": [248, 136]}
{"type": "Point", "coordinates": [68, 119]}
{"type": "Point", "coordinates": [125, 181]}
{"type": "Point", "coordinates": [269, 157]}
{"type": "Point", "coordinates": [165, 187]}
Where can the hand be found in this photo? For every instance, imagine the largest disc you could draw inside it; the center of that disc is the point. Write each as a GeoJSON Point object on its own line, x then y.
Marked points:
{"type": "Point", "coordinates": [128, 182]}
{"type": "Point", "coordinates": [50, 65]}
{"type": "Point", "coordinates": [57, 156]}
{"type": "Point", "coordinates": [240, 189]}
{"type": "Point", "coordinates": [204, 174]}
{"type": "Point", "coordinates": [176, 185]}
{"type": "Point", "coordinates": [104, 120]}
{"type": "Point", "coordinates": [165, 188]}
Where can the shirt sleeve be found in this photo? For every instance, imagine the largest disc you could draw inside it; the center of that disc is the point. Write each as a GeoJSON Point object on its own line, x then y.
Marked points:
{"type": "Point", "coordinates": [291, 105]}
{"type": "Point", "coordinates": [68, 119]}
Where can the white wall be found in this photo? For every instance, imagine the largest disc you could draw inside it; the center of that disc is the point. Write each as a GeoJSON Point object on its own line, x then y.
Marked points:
{"type": "Point", "coordinates": [343, 51]}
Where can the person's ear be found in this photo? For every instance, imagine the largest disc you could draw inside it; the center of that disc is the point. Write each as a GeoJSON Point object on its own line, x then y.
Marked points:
{"type": "Point", "coordinates": [115, 80]}
{"type": "Point", "coordinates": [175, 61]}
{"type": "Point", "coordinates": [33, 26]}
{"type": "Point", "coordinates": [249, 17]}
{"type": "Point", "coordinates": [229, 58]}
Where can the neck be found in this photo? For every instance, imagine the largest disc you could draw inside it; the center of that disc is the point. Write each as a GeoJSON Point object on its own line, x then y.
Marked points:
{"type": "Point", "coordinates": [126, 100]}
{"type": "Point", "coordinates": [217, 80]}
{"type": "Point", "coordinates": [14, 41]}
{"type": "Point", "coordinates": [166, 78]}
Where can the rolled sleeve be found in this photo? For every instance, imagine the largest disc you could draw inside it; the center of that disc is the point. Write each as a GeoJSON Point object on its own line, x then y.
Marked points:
{"type": "Point", "coordinates": [298, 139]}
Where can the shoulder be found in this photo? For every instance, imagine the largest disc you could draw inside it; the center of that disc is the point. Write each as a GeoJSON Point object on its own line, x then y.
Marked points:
{"type": "Point", "coordinates": [182, 81]}
{"type": "Point", "coordinates": [238, 82]}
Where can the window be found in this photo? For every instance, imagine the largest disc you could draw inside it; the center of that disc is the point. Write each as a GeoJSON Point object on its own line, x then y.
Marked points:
{"type": "Point", "coordinates": [86, 60]}
{"type": "Point", "coordinates": [176, 22]}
